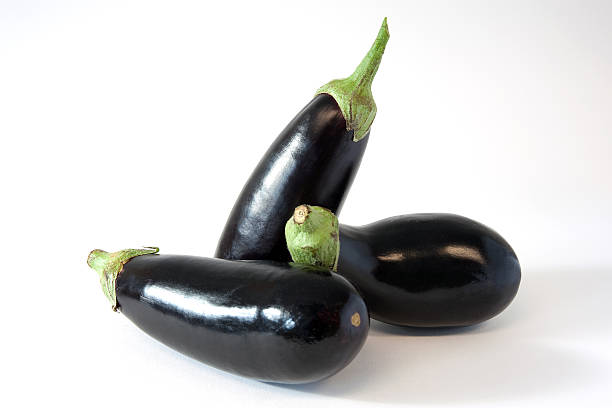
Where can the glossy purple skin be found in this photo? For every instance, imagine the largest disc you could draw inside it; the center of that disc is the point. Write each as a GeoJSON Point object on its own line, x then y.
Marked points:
{"type": "Point", "coordinates": [429, 270]}
{"type": "Point", "coordinates": [274, 322]}
{"type": "Point", "coordinates": [314, 160]}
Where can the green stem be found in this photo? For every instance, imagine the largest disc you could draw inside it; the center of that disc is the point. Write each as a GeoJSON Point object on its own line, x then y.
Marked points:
{"type": "Point", "coordinates": [354, 94]}
{"type": "Point", "coordinates": [312, 236]}
{"type": "Point", "coordinates": [110, 264]}
{"type": "Point", "coordinates": [365, 72]}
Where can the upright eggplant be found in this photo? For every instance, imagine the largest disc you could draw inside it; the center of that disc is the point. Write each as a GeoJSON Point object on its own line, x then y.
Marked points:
{"type": "Point", "coordinates": [274, 322]}
{"type": "Point", "coordinates": [425, 270]}
{"type": "Point", "coordinates": [314, 159]}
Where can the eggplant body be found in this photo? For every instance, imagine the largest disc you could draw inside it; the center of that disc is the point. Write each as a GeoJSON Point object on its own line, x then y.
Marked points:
{"type": "Point", "coordinates": [313, 160]}
{"type": "Point", "coordinates": [429, 270]}
{"type": "Point", "coordinates": [269, 321]}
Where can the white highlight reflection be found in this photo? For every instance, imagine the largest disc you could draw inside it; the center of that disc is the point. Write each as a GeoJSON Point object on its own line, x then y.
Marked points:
{"type": "Point", "coordinates": [392, 257]}
{"type": "Point", "coordinates": [458, 251]}
{"type": "Point", "coordinates": [198, 306]}
{"type": "Point", "coordinates": [284, 163]}
{"type": "Point", "coordinates": [260, 210]}
{"type": "Point", "coordinates": [272, 313]}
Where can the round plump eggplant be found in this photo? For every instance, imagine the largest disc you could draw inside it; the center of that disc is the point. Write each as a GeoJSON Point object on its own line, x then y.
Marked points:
{"type": "Point", "coordinates": [427, 270]}
{"type": "Point", "coordinates": [274, 322]}
{"type": "Point", "coordinates": [314, 159]}
{"type": "Point", "coordinates": [430, 270]}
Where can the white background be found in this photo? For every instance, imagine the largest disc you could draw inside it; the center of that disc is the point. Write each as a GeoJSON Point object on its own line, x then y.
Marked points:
{"type": "Point", "coordinates": [127, 123]}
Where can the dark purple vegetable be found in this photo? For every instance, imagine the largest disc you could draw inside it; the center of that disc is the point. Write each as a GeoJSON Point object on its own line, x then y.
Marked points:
{"type": "Point", "coordinates": [314, 159]}
{"type": "Point", "coordinates": [427, 270]}
{"type": "Point", "coordinates": [274, 322]}
{"type": "Point", "coordinates": [430, 270]}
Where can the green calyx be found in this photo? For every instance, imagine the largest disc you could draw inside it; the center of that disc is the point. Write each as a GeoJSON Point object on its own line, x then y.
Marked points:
{"type": "Point", "coordinates": [109, 265]}
{"type": "Point", "coordinates": [312, 236]}
{"type": "Point", "coordinates": [354, 94]}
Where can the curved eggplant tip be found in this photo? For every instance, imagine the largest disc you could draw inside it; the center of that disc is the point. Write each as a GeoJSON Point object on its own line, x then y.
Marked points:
{"type": "Point", "coordinates": [108, 265]}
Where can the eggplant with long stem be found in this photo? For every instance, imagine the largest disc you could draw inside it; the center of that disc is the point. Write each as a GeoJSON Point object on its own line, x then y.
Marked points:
{"type": "Point", "coordinates": [275, 322]}
{"type": "Point", "coordinates": [314, 159]}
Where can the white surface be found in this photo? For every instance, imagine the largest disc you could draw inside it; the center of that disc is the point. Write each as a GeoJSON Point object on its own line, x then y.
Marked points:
{"type": "Point", "coordinates": [137, 123]}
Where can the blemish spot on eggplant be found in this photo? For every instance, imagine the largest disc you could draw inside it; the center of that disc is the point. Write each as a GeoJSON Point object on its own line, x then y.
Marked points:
{"type": "Point", "coordinates": [356, 319]}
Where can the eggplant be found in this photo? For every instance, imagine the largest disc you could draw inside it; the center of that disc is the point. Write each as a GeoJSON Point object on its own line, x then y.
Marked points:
{"type": "Point", "coordinates": [274, 322]}
{"type": "Point", "coordinates": [314, 159]}
{"type": "Point", "coordinates": [420, 270]}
